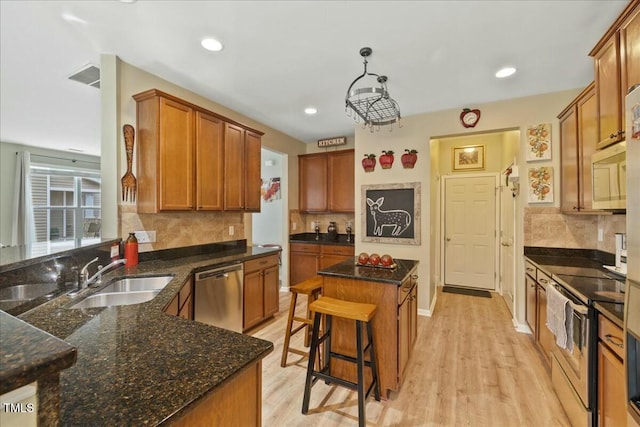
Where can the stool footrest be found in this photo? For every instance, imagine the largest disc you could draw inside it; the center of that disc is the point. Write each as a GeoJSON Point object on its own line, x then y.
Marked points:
{"type": "Point", "coordinates": [348, 358]}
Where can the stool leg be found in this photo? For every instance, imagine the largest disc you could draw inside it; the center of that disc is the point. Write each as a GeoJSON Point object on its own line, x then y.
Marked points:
{"type": "Point", "coordinates": [287, 335]}
{"type": "Point", "coordinates": [374, 367]}
{"type": "Point", "coordinates": [327, 347]}
{"type": "Point", "coordinates": [360, 366]}
{"type": "Point", "coordinates": [312, 359]}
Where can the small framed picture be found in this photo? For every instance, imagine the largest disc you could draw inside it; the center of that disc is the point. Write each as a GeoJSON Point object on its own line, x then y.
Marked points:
{"type": "Point", "coordinates": [470, 157]}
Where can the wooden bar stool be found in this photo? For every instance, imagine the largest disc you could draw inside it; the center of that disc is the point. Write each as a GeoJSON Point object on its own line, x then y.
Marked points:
{"type": "Point", "coordinates": [312, 289]}
{"type": "Point", "coordinates": [360, 313]}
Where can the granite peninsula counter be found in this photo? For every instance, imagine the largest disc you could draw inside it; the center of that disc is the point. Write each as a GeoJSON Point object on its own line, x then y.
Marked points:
{"type": "Point", "coordinates": [137, 365]}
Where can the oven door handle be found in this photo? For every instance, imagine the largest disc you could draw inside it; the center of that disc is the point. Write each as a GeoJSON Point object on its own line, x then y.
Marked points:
{"type": "Point", "coordinates": [579, 308]}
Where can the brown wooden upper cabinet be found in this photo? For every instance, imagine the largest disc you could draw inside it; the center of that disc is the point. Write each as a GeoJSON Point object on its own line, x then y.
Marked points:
{"type": "Point", "coordinates": [617, 67]}
{"type": "Point", "coordinates": [326, 181]}
{"type": "Point", "coordinates": [578, 139]}
{"type": "Point", "coordinates": [190, 158]}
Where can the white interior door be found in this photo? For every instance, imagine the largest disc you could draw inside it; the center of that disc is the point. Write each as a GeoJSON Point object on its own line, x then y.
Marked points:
{"type": "Point", "coordinates": [470, 231]}
{"type": "Point", "coordinates": [507, 257]}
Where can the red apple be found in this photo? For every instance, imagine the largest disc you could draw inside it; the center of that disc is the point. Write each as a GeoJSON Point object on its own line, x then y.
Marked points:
{"type": "Point", "coordinates": [374, 259]}
{"type": "Point", "coordinates": [369, 162]}
{"type": "Point", "coordinates": [386, 159]}
{"type": "Point", "coordinates": [363, 258]}
{"type": "Point", "coordinates": [386, 260]}
{"type": "Point", "coordinates": [409, 158]}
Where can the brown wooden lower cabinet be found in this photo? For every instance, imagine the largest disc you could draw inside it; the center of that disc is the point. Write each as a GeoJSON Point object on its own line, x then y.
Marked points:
{"type": "Point", "coordinates": [394, 327]}
{"type": "Point", "coordinates": [261, 290]}
{"type": "Point", "coordinates": [236, 403]}
{"type": "Point", "coordinates": [612, 409]}
{"type": "Point", "coordinates": [307, 258]}
{"type": "Point", "coordinates": [182, 304]}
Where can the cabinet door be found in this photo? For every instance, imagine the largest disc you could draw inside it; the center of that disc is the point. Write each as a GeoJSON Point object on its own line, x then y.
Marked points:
{"type": "Point", "coordinates": [175, 156]}
{"type": "Point", "coordinates": [611, 389]}
{"type": "Point", "coordinates": [253, 309]}
{"type": "Point", "coordinates": [608, 92]}
{"type": "Point", "coordinates": [271, 291]}
{"type": "Point", "coordinates": [209, 162]}
{"type": "Point", "coordinates": [312, 174]}
{"type": "Point", "coordinates": [630, 51]}
{"type": "Point", "coordinates": [253, 182]}
{"type": "Point", "coordinates": [329, 260]}
{"type": "Point", "coordinates": [303, 266]}
{"type": "Point", "coordinates": [186, 312]}
{"type": "Point", "coordinates": [545, 337]}
{"type": "Point", "coordinates": [530, 285]}
{"type": "Point", "coordinates": [404, 336]}
{"type": "Point", "coordinates": [234, 162]}
{"type": "Point", "coordinates": [587, 109]}
{"type": "Point", "coordinates": [569, 162]}
{"type": "Point", "coordinates": [340, 181]}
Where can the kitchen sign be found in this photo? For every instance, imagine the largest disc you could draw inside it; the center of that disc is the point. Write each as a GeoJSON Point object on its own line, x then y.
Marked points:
{"type": "Point", "coordinates": [330, 142]}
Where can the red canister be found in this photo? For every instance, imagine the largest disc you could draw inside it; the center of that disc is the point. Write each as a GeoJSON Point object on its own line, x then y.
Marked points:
{"type": "Point", "coordinates": [131, 250]}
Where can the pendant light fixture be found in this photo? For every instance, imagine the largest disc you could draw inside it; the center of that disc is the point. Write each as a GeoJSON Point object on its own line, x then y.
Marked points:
{"type": "Point", "coordinates": [368, 103]}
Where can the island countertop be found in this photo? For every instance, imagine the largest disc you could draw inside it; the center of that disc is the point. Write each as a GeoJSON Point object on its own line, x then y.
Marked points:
{"type": "Point", "coordinates": [137, 365]}
{"type": "Point", "coordinates": [349, 269]}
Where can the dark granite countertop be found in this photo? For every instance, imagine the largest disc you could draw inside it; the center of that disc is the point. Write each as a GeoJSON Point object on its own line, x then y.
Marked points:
{"type": "Point", "coordinates": [613, 312]}
{"type": "Point", "coordinates": [323, 240]}
{"type": "Point", "coordinates": [137, 365]}
{"type": "Point", "coordinates": [27, 353]}
{"type": "Point", "coordinates": [350, 270]}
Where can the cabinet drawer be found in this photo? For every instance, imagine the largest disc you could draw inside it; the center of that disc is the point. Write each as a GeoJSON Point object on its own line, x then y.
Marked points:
{"type": "Point", "coordinates": [260, 263]}
{"type": "Point", "coordinates": [305, 247]}
{"type": "Point", "coordinates": [337, 250]}
{"type": "Point", "coordinates": [543, 279]}
{"type": "Point", "coordinates": [610, 334]}
{"type": "Point", "coordinates": [530, 269]}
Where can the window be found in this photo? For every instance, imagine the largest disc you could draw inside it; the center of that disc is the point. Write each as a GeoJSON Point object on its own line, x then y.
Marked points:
{"type": "Point", "coordinates": [66, 203]}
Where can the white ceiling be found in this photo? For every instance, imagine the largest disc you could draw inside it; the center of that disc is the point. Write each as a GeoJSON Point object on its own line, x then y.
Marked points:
{"type": "Point", "coordinates": [282, 56]}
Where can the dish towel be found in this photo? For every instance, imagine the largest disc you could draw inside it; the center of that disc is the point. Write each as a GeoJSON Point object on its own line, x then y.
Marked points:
{"type": "Point", "coordinates": [560, 318]}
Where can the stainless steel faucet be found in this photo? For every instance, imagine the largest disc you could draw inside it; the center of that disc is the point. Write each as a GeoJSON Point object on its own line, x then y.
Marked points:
{"type": "Point", "coordinates": [84, 273]}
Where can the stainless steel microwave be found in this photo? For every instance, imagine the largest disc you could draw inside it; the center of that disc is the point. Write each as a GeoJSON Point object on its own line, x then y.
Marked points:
{"type": "Point", "coordinates": [609, 175]}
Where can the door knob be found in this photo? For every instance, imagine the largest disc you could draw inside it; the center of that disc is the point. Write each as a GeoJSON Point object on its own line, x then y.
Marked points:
{"type": "Point", "coordinates": [448, 239]}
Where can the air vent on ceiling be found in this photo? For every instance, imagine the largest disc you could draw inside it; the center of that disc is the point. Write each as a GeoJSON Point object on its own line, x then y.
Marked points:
{"type": "Point", "coordinates": [89, 75]}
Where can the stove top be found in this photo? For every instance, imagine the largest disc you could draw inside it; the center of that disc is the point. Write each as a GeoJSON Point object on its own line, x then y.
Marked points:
{"type": "Point", "coordinates": [602, 289]}
{"type": "Point", "coordinates": [577, 271]}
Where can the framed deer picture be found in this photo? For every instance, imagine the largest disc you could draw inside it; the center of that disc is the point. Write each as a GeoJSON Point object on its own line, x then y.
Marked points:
{"type": "Point", "coordinates": [391, 213]}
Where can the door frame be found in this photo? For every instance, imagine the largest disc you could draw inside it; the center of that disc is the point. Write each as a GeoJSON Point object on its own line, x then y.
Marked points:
{"type": "Point", "coordinates": [514, 217]}
{"type": "Point", "coordinates": [443, 213]}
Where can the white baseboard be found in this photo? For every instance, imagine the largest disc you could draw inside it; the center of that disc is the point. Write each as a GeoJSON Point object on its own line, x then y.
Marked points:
{"type": "Point", "coordinates": [521, 327]}
{"type": "Point", "coordinates": [429, 312]}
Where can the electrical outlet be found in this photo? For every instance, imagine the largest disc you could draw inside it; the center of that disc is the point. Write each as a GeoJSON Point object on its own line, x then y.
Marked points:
{"type": "Point", "coordinates": [600, 234]}
{"type": "Point", "coordinates": [231, 230]}
{"type": "Point", "coordinates": [146, 236]}
{"type": "Point", "coordinates": [294, 226]}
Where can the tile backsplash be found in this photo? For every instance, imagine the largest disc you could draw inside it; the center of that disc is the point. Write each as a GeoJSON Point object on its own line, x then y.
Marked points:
{"type": "Point", "coordinates": [304, 222]}
{"type": "Point", "coordinates": [177, 229]}
{"type": "Point", "coordinates": [547, 227]}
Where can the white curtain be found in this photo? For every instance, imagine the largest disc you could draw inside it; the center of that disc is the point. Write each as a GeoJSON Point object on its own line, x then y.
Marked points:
{"type": "Point", "coordinates": [23, 226]}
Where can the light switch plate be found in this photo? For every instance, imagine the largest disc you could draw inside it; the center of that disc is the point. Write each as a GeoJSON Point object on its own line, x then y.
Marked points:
{"type": "Point", "coordinates": [231, 230]}
{"type": "Point", "coordinates": [148, 236]}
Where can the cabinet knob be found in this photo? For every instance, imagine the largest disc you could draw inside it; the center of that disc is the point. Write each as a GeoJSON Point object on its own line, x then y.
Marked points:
{"type": "Point", "coordinates": [613, 135]}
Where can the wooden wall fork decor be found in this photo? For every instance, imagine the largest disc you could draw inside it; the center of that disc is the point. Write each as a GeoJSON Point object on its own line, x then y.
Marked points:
{"type": "Point", "coordinates": [129, 182]}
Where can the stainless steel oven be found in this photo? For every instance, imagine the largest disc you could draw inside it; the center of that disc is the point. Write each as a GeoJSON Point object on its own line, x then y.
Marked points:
{"type": "Point", "coordinates": [632, 327]}
{"type": "Point", "coordinates": [571, 368]}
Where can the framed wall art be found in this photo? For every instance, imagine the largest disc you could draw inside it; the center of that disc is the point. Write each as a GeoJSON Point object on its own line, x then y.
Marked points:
{"type": "Point", "coordinates": [539, 138]}
{"type": "Point", "coordinates": [540, 185]}
{"type": "Point", "coordinates": [391, 213]}
{"type": "Point", "coordinates": [468, 158]}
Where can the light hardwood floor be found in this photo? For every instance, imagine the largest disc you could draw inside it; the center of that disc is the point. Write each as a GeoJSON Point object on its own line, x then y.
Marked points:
{"type": "Point", "coordinates": [469, 368]}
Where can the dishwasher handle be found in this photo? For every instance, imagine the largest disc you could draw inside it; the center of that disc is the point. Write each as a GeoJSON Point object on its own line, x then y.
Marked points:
{"type": "Point", "coordinates": [218, 272]}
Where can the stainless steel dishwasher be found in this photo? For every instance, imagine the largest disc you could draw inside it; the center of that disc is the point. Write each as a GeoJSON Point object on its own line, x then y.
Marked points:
{"type": "Point", "coordinates": [218, 297]}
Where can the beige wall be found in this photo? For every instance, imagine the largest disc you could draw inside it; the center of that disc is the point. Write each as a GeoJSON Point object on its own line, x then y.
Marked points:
{"type": "Point", "coordinates": [416, 132]}
{"type": "Point", "coordinates": [190, 228]}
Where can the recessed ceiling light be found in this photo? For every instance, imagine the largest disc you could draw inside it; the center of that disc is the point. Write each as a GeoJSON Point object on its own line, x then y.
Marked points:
{"type": "Point", "coordinates": [505, 72]}
{"type": "Point", "coordinates": [128, 1]}
{"type": "Point", "coordinates": [211, 44]}
{"type": "Point", "coordinates": [310, 111]}
{"type": "Point", "coordinates": [69, 17]}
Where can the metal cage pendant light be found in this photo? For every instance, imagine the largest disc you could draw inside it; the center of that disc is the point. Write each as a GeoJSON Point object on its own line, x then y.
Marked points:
{"type": "Point", "coordinates": [371, 105]}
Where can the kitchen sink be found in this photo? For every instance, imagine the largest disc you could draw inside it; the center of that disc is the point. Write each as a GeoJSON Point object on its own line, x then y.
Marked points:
{"type": "Point", "coordinates": [136, 284]}
{"type": "Point", "coordinates": [108, 299]}
{"type": "Point", "coordinates": [26, 292]}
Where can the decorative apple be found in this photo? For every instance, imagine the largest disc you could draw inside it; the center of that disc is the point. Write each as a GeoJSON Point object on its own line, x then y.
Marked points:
{"type": "Point", "coordinates": [369, 162]}
{"type": "Point", "coordinates": [409, 158]}
{"type": "Point", "coordinates": [363, 258]}
{"type": "Point", "coordinates": [374, 259]}
{"type": "Point", "coordinates": [386, 159]}
{"type": "Point", "coordinates": [386, 260]}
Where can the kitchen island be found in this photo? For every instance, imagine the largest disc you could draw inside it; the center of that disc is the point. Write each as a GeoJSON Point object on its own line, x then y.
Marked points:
{"type": "Point", "coordinates": [137, 365]}
{"type": "Point", "coordinates": [395, 292]}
